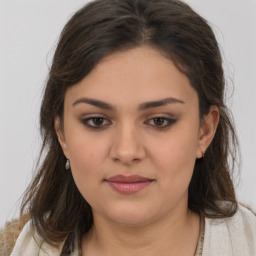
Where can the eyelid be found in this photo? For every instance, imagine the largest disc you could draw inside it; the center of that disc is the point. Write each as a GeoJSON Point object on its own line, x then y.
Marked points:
{"type": "Point", "coordinates": [85, 121]}
{"type": "Point", "coordinates": [170, 121]}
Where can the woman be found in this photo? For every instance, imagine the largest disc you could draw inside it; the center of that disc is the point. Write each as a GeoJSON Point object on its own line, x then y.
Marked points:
{"type": "Point", "coordinates": [137, 139]}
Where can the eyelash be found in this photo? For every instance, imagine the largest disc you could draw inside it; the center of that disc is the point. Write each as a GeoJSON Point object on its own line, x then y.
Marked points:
{"type": "Point", "coordinates": [105, 122]}
{"type": "Point", "coordinates": [94, 118]}
{"type": "Point", "coordinates": [164, 120]}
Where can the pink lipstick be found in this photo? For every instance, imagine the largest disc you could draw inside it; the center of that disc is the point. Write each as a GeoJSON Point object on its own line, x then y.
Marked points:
{"type": "Point", "coordinates": [128, 184]}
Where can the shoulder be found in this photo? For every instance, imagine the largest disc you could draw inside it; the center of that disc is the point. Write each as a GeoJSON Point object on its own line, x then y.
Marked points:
{"type": "Point", "coordinates": [10, 233]}
{"type": "Point", "coordinates": [231, 236]}
{"type": "Point", "coordinates": [29, 243]}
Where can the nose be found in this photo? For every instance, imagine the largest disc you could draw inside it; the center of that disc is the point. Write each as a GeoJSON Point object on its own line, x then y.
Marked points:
{"type": "Point", "coordinates": [127, 147]}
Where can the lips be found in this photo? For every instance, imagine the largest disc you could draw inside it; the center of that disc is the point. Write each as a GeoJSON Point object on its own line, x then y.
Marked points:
{"type": "Point", "coordinates": [128, 184]}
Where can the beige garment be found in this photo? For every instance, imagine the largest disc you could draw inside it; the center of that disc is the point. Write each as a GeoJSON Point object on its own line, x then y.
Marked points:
{"type": "Point", "coordinates": [10, 233]}
{"type": "Point", "coordinates": [30, 244]}
{"type": "Point", "coordinates": [234, 236]}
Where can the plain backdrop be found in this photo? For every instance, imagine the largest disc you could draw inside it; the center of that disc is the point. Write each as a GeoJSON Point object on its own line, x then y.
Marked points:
{"type": "Point", "coordinates": [29, 30]}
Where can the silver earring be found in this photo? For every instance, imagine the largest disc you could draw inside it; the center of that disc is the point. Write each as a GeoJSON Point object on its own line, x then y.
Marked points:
{"type": "Point", "coordinates": [67, 165]}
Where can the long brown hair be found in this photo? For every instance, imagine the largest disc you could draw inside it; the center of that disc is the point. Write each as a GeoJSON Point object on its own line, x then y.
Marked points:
{"type": "Point", "coordinates": [98, 29]}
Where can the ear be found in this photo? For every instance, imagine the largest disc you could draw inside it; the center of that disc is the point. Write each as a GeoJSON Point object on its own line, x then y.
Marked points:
{"type": "Point", "coordinates": [207, 130]}
{"type": "Point", "coordinates": [61, 136]}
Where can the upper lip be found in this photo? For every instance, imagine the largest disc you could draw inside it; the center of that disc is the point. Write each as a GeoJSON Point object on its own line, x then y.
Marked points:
{"type": "Point", "coordinates": [128, 179]}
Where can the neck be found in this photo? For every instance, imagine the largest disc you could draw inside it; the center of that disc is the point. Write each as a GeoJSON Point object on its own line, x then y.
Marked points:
{"type": "Point", "coordinates": [172, 235]}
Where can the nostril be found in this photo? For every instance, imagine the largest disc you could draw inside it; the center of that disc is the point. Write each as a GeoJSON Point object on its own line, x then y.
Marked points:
{"type": "Point", "coordinates": [115, 159]}
{"type": "Point", "coordinates": [127, 149]}
{"type": "Point", "coordinates": [126, 159]}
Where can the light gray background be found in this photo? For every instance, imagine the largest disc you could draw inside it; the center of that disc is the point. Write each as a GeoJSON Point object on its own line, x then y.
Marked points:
{"type": "Point", "coordinates": [29, 31]}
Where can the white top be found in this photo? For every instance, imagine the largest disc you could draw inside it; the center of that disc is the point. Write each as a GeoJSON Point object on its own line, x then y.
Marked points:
{"type": "Point", "coordinates": [235, 236]}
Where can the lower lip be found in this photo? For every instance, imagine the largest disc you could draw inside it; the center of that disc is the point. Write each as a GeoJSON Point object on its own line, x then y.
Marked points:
{"type": "Point", "coordinates": [129, 188]}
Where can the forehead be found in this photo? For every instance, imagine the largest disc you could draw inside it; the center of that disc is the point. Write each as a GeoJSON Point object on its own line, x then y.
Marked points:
{"type": "Point", "coordinates": [137, 75]}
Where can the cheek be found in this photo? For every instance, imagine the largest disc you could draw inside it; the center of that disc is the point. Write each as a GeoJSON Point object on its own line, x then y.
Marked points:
{"type": "Point", "coordinates": [175, 156]}
{"type": "Point", "coordinates": [175, 164]}
{"type": "Point", "coordinates": [86, 167]}
{"type": "Point", "coordinates": [86, 148]}
{"type": "Point", "coordinates": [87, 155]}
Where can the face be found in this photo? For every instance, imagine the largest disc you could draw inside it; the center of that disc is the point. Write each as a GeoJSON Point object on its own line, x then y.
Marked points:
{"type": "Point", "coordinates": [132, 133]}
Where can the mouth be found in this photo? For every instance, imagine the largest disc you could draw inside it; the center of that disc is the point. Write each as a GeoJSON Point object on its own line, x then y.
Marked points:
{"type": "Point", "coordinates": [128, 184]}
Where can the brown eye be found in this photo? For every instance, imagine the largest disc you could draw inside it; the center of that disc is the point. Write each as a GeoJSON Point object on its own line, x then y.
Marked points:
{"type": "Point", "coordinates": [96, 122]}
{"type": "Point", "coordinates": [161, 122]}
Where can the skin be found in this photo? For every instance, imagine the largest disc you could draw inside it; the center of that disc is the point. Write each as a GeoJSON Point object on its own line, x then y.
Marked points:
{"type": "Point", "coordinates": [128, 140]}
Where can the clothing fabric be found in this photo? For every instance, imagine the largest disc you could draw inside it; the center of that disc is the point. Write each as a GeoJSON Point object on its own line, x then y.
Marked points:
{"type": "Point", "coordinates": [200, 242]}
{"type": "Point", "coordinates": [234, 236]}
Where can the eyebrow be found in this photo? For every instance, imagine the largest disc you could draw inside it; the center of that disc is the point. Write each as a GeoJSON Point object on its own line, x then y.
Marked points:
{"type": "Point", "coordinates": [96, 103]}
{"type": "Point", "coordinates": [143, 106]}
{"type": "Point", "coordinates": [159, 103]}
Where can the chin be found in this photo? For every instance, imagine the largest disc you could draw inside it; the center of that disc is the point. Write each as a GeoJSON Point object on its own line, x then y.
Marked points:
{"type": "Point", "coordinates": [131, 216]}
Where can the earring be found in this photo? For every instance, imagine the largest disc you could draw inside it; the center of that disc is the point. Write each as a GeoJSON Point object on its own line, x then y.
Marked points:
{"type": "Point", "coordinates": [67, 165]}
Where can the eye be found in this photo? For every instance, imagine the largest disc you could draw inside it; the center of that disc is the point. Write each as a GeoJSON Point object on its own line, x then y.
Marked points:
{"type": "Point", "coordinates": [96, 122]}
{"type": "Point", "coordinates": [161, 122]}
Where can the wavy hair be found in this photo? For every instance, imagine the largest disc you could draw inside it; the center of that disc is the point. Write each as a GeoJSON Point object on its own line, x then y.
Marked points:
{"type": "Point", "coordinates": [102, 27]}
